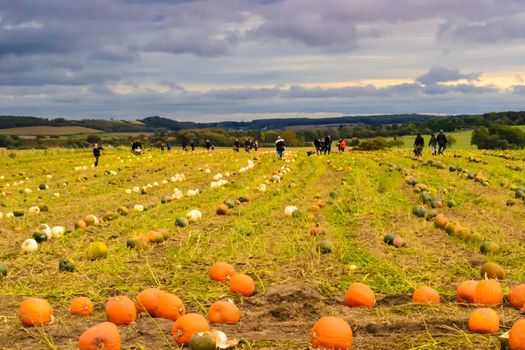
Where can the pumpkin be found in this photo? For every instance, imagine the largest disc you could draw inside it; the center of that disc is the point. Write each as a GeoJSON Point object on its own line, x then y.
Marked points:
{"type": "Point", "coordinates": [289, 210]}
{"type": "Point", "coordinates": [138, 207]}
{"type": "Point", "coordinates": [187, 325]}
{"type": "Point", "coordinates": [324, 246]}
{"type": "Point", "coordinates": [39, 236]}
{"type": "Point", "coordinates": [420, 212]}
{"type": "Point", "coordinates": [359, 294]}
{"type": "Point", "coordinates": [484, 321]}
{"type": "Point", "coordinates": [3, 269]}
{"type": "Point", "coordinates": [316, 230]}
{"type": "Point", "coordinates": [221, 271]}
{"type": "Point", "coordinates": [202, 341]}
{"type": "Point", "coordinates": [321, 203]}
{"type": "Point", "coordinates": [331, 333]}
{"type": "Point", "coordinates": [120, 310]}
{"type": "Point", "coordinates": [194, 215]}
{"type": "Point", "coordinates": [109, 216]}
{"type": "Point", "coordinates": [97, 250]}
{"type": "Point", "coordinates": [222, 209]}
{"type": "Point", "coordinates": [389, 238]}
{"type": "Point", "coordinates": [148, 301]}
{"type": "Point", "coordinates": [29, 245]}
{"type": "Point", "coordinates": [465, 291]}
{"type": "Point", "coordinates": [425, 295]}
{"type": "Point", "coordinates": [242, 284]}
{"type": "Point", "coordinates": [104, 335]}
{"type": "Point", "coordinates": [80, 224]}
{"type": "Point", "coordinates": [81, 306]}
{"type": "Point", "coordinates": [122, 210]}
{"type": "Point", "coordinates": [35, 312]}
{"type": "Point", "coordinates": [517, 335]}
{"type": "Point", "coordinates": [489, 247]}
{"type": "Point", "coordinates": [492, 270]}
{"type": "Point", "coordinates": [138, 242]}
{"type": "Point", "coordinates": [154, 236]}
{"type": "Point", "coordinates": [18, 212]}
{"type": "Point", "coordinates": [517, 296]}
{"type": "Point", "coordinates": [441, 221]}
{"type": "Point", "coordinates": [58, 231]}
{"type": "Point", "coordinates": [488, 292]}
{"type": "Point", "coordinates": [66, 265]}
{"type": "Point", "coordinates": [224, 312]}
{"type": "Point", "coordinates": [181, 222]}
{"type": "Point", "coordinates": [91, 220]}
{"type": "Point", "coordinates": [169, 306]}
{"type": "Point", "coordinates": [399, 242]}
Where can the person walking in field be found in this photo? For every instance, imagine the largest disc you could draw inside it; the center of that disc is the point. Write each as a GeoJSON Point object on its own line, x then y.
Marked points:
{"type": "Point", "coordinates": [280, 147]}
{"type": "Point", "coordinates": [236, 145]}
{"type": "Point", "coordinates": [255, 145]}
{"type": "Point", "coordinates": [327, 144]}
{"type": "Point", "coordinates": [341, 145]}
{"type": "Point", "coordinates": [208, 145]}
{"type": "Point", "coordinates": [168, 146]}
{"type": "Point", "coordinates": [96, 153]}
{"type": "Point", "coordinates": [184, 145]}
{"type": "Point", "coordinates": [192, 145]}
{"type": "Point", "coordinates": [247, 145]}
{"type": "Point", "coordinates": [432, 143]}
{"type": "Point", "coordinates": [419, 143]}
{"type": "Point", "coordinates": [442, 142]}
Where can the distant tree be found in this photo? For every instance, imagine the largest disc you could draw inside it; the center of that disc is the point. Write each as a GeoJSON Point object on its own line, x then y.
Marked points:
{"type": "Point", "coordinates": [93, 139]}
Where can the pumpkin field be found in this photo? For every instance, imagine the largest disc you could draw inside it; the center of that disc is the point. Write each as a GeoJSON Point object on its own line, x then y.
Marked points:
{"type": "Point", "coordinates": [378, 250]}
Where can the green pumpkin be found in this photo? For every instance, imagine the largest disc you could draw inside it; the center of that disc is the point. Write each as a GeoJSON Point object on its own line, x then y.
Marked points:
{"type": "Point", "coordinates": [97, 250]}
{"type": "Point", "coordinates": [230, 203]}
{"type": "Point", "coordinates": [181, 222]}
{"type": "Point", "coordinates": [520, 193]}
{"type": "Point", "coordinates": [123, 211]}
{"type": "Point", "coordinates": [451, 203]}
{"type": "Point", "coordinates": [42, 187]}
{"type": "Point", "coordinates": [388, 238]}
{"type": "Point", "coordinates": [426, 198]}
{"type": "Point", "coordinates": [244, 199]}
{"type": "Point", "coordinates": [3, 269]}
{"type": "Point", "coordinates": [39, 236]}
{"type": "Point", "coordinates": [18, 212]}
{"type": "Point", "coordinates": [489, 247]}
{"type": "Point", "coordinates": [420, 212]}
{"type": "Point", "coordinates": [452, 168]}
{"type": "Point", "coordinates": [137, 243]}
{"type": "Point", "coordinates": [492, 270]}
{"type": "Point", "coordinates": [432, 213]}
{"type": "Point", "coordinates": [201, 341]}
{"type": "Point", "coordinates": [298, 214]}
{"type": "Point", "coordinates": [66, 265]}
{"type": "Point", "coordinates": [511, 202]}
{"type": "Point", "coordinates": [325, 246]}
{"type": "Point", "coordinates": [109, 216]}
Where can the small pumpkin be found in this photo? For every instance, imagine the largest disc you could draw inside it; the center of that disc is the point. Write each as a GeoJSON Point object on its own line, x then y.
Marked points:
{"type": "Point", "coordinates": [148, 301]}
{"type": "Point", "coordinates": [39, 236]}
{"type": "Point", "coordinates": [517, 296]}
{"type": "Point", "coordinates": [484, 321]}
{"type": "Point", "coordinates": [492, 270]}
{"type": "Point", "coordinates": [359, 294]}
{"type": "Point", "coordinates": [242, 284]}
{"type": "Point", "coordinates": [389, 238]}
{"type": "Point", "coordinates": [29, 245]}
{"type": "Point", "coordinates": [187, 325]}
{"type": "Point", "coordinates": [123, 210]}
{"type": "Point", "coordinates": [324, 246]}
{"type": "Point", "coordinates": [441, 221]}
{"type": "Point", "coordinates": [181, 222]}
{"type": "Point", "coordinates": [465, 291]}
{"type": "Point", "coordinates": [91, 220]}
{"type": "Point", "coordinates": [517, 335]}
{"type": "Point", "coordinates": [154, 236]}
{"type": "Point", "coordinates": [104, 335]}
{"type": "Point", "coordinates": [331, 333]}
{"type": "Point", "coordinates": [120, 310]}
{"type": "Point", "coordinates": [81, 306]}
{"type": "Point", "coordinates": [169, 306]}
{"type": "Point", "coordinates": [3, 270]}
{"type": "Point", "coordinates": [35, 312]}
{"type": "Point", "coordinates": [399, 242]}
{"type": "Point", "coordinates": [221, 271]}
{"type": "Point", "coordinates": [488, 292]}
{"type": "Point", "coordinates": [80, 224]}
{"type": "Point", "coordinates": [138, 242]}
{"type": "Point", "coordinates": [222, 209]}
{"type": "Point", "coordinates": [202, 341]}
{"type": "Point", "coordinates": [66, 264]}
{"type": "Point", "coordinates": [224, 312]}
{"type": "Point", "coordinates": [97, 250]}
{"type": "Point", "coordinates": [425, 295]}
{"type": "Point", "coordinates": [489, 247]}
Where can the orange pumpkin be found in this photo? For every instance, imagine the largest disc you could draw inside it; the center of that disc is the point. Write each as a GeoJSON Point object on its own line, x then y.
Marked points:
{"type": "Point", "coordinates": [35, 312]}
{"type": "Point", "coordinates": [154, 237]}
{"type": "Point", "coordinates": [465, 291]}
{"type": "Point", "coordinates": [359, 294]}
{"type": "Point", "coordinates": [425, 295]}
{"type": "Point", "coordinates": [441, 221]}
{"type": "Point", "coordinates": [331, 333]}
{"type": "Point", "coordinates": [187, 325]}
{"type": "Point", "coordinates": [488, 292]}
{"type": "Point", "coordinates": [321, 203]}
{"type": "Point", "coordinates": [224, 312]}
{"type": "Point", "coordinates": [121, 310]}
{"type": "Point", "coordinates": [170, 306]}
{"type": "Point", "coordinates": [104, 335]}
{"type": "Point", "coordinates": [517, 296]}
{"type": "Point", "coordinates": [517, 335]}
{"type": "Point", "coordinates": [81, 306]}
{"type": "Point", "coordinates": [221, 271]}
{"type": "Point", "coordinates": [148, 301]}
{"type": "Point", "coordinates": [242, 284]}
{"type": "Point", "coordinates": [484, 321]}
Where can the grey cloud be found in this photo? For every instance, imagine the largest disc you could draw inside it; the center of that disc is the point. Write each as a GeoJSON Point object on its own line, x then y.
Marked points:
{"type": "Point", "coordinates": [441, 74]}
{"type": "Point", "coordinates": [487, 32]}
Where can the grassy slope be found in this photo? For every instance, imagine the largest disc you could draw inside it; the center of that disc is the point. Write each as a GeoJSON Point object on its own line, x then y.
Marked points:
{"type": "Point", "coordinates": [48, 130]}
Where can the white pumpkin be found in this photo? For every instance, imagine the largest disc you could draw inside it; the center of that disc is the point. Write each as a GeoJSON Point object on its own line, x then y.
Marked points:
{"type": "Point", "coordinates": [207, 171]}
{"type": "Point", "coordinates": [261, 188]}
{"type": "Point", "coordinates": [128, 191]}
{"type": "Point", "coordinates": [10, 215]}
{"type": "Point", "coordinates": [155, 183]}
{"type": "Point", "coordinates": [191, 193]}
{"type": "Point", "coordinates": [217, 177]}
{"type": "Point", "coordinates": [34, 209]}
{"type": "Point", "coordinates": [136, 189]}
{"type": "Point", "coordinates": [27, 190]}
{"type": "Point", "coordinates": [288, 211]}
{"type": "Point", "coordinates": [58, 231]}
{"type": "Point", "coordinates": [138, 207]}
{"type": "Point", "coordinates": [164, 182]}
{"type": "Point", "coordinates": [30, 245]}
{"type": "Point", "coordinates": [56, 194]}
{"type": "Point", "coordinates": [194, 215]}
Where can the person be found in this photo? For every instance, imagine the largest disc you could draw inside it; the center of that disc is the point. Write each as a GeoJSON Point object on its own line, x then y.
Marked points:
{"type": "Point", "coordinates": [442, 141]}
{"type": "Point", "coordinates": [327, 144]}
{"type": "Point", "coordinates": [213, 147]}
{"type": "Point", "coordinates": [136, 147]}
{"type": "Point", "coordinates": [192, 145]}
{"type": "Point", "coordinates": [236, 145]}
{"type": "Point", "coordinates": [207, 145]}
{"type": "Point", "coordinates": [432, 143]}
{"type": "Point", "coordinates": [317, 145]}
{"type": "Point", "coordinates": [96, 152]}
{"type": "Point", "coordinates": [162, 147]}
{"type": "Point", "coordinates": [255, 145]}
{"type": "Point", "coordinates": [184, 145]}
{"type": "Point", "coordinates": [341, 145]}
{"type": "Point", "coordinates": [419, 143]}
{"type": "Point", "coordinates": [247, 145]}
{"type": "Point", "coordinates": [280, 147]}
{"type": "Point", "coordinates": [168, 146]}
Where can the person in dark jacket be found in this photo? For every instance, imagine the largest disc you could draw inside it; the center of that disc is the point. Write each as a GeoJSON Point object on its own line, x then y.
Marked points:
{"type": "Point", "coordinates": [236, 145]}
{"type": "Point", "coordinates": [419, 143]}
{"type": "Point", "coordinates": [442, 142]}
{"type": "Point", "coordinates": [168, 146]}
{"type": "Point", "coordinates": [192, 145]}
{"type": "Point", "coordinates": [208, 145]}
{"type": "Point", "coordinates": [96, 153]}
{"type": "Point", "coordinates": [432, 143]}
{"type": "Point", "coordinates": [280, 147]}
{"type": "Point", "coordinates": [327, 144]}
{"type": "Point", "coordinates": [247, 145]}
{"type": "Point", "coordinates": [317, 145]}
{"type": "Point", "coordinates": [184, 145]}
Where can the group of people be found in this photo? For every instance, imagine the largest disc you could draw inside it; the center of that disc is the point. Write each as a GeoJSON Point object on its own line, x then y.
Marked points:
{"type": "Point", "coordinates": [325, 146]}
{"type": "Point", "coordinates": [438, 144]}
{"type": "Point", "coordinates": [136, 147]}
{"type": "Point", "coordinates": [248, 145]}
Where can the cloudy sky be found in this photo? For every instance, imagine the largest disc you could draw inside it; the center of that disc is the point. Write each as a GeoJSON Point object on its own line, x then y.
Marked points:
{"type": "Point", "coordinates": [245, 59]}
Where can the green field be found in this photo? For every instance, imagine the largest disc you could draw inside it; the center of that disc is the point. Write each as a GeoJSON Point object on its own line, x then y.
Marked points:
{"type": "Point", "coordinates": [354, 200]}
